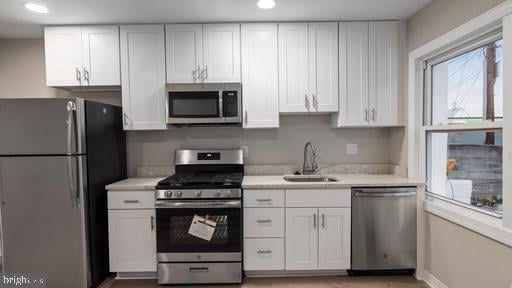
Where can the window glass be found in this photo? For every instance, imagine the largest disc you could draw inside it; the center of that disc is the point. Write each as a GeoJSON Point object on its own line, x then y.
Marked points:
{"type": "Point", "coordinates": [469, 87]}
{"type": "Point", "coordinates": [466, 166]}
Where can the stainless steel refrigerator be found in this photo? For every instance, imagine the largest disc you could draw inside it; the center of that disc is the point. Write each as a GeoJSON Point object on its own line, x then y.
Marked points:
{"type": "Point", "coordinates": [56, 156]}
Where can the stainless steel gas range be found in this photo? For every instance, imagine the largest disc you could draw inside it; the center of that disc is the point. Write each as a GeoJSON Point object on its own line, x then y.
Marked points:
{"type": "Point", "coordinates": [199, 219]}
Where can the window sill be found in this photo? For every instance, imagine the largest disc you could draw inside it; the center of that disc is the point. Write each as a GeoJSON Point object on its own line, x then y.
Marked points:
{"type": "Point", "coordinates": [483, 224]}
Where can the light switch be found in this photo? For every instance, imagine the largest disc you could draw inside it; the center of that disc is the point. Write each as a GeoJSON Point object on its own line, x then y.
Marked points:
{"type": "Point", "coordinates": [351, 149]}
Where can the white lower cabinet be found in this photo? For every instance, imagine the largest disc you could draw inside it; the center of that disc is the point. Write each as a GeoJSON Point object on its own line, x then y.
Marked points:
{"type": "Point", "coordinates": [301, 238]}
{"type": "Point", "coordinates": [334, 238]}
{"type": "Point", "coordinates": [264, 254]}
{"type": "Point", "coordinates": [132, 233]}
{"type": "Point", "coordinates": [296, 230]}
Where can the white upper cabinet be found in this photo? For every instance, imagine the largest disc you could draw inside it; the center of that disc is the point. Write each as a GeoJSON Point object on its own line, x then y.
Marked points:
{"type": "Point", "coordinates": [368, 74]}
{"type": "Point", "coordinates": [63, 46]}
{"type": "Point", "coordinates": [323, 66]}
{"type": "Point", "coordinates": [100, 55]}
{"type": "Point", "coordinates": [82, 56]}
{"type": "Point", "coordinates": [203, 53]}
{"type": "Point", "coordinates": [308, 67]}
{"type": "Point", "coordinates": [221, 53]}
{"type": "Point", "coordinates": [143, 77]}
{"type": "Point", "coordinates": [260, 76]}
{"type": "Point", "coordinates": [184, 52]}
{"type": "Point", "coordinates": [353, 108]}
{"type": "Point", "coordinates": [334, 238]}
{"type": "Point", "coordinates": [293, 68]}
{"type": "Point", "coordinates": [383, 73]}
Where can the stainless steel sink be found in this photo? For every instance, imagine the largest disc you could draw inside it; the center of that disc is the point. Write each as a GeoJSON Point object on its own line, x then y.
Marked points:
{"type": "Point", "coordinates": [309, 178]}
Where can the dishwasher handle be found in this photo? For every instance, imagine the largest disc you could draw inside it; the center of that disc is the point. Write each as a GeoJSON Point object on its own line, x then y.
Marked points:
{"type": "Point", "coordinates": [361, 194]}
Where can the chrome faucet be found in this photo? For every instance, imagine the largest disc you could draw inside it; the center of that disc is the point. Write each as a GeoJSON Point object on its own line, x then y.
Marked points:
{"type": "Point", "coordinates": [309, 167]}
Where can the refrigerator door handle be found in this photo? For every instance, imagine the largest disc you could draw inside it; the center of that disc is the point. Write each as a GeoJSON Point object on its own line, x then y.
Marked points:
{"type": "Point", "coordinates": [73, 191]}
{"type": "Point", "coordinates": [71, 123]}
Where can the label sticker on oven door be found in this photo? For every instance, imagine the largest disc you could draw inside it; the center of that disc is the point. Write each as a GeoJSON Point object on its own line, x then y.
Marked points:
{"type": "Point", "coordinates": [202, 228]}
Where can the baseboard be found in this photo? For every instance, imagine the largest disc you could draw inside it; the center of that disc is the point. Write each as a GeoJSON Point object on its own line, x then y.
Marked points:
{"type": "Point", "coordinates": [432, 281]}
{"type": "Point", "coordinates": [298, 273]}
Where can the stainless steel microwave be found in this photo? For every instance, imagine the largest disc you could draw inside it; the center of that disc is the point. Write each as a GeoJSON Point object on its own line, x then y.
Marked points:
{"type": "Point", "coordinates": [193, 104]}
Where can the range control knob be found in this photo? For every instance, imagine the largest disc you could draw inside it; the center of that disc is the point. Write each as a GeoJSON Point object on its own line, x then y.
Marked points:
{"type": "Point", "coordinates": [227, 193]}
{"type": "Point", "coordinates": [217, 193]}
{"type": "Point", "coordinates": [168, 194]}
{"type": "Point", "coordinates": [179, 194]}
{"type": "Point", "coordinates": [198, 193]}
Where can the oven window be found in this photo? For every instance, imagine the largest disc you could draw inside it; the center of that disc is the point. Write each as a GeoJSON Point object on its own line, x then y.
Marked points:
{"type": "Point", "coordinates": [194, 104]}
{"type": "Point", "coordinates": [173, 226]}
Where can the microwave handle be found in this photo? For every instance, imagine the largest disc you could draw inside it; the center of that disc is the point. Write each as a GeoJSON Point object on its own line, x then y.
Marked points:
{"type": "Point", "coordinates": [221, 110]}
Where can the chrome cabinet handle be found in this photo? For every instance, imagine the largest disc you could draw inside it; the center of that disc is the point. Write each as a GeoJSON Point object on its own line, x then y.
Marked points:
{"type": "Point", "coordinates": [126, 119]}
{"type": "Point", "coordinates": [246, 117]}
{"type": "Point", "coordinates": [373, 114]}
{"type": "Point", "coordinates": [152, 223]}
{"type": "Point", "coordinates": [204, 73]}
{"type": "Point", "coordinates": [264, 251]}
{"type": "Point", "coordinates": [366, 114]}
{"type": "Point", "coordinates": [196, 74]}
{"type": "Point", "coordinates": [78, 76]}
{"type": "Point", "coordinates": [86, 75]}
{"type": "Point", "coordinates": [314, 221]}
{"type": "Point", "coordinates": [264, 221]}
{"type": "Point", "coordinates": [306, 101]}
{"type": "Point", "coordinates": [264, 200]}
{"type": "Point", "coordinates": [315, 102]}
{"type": "Point", "coordinates": [323, 221]}
{"type": "Point", "coordinates": [131, 201]}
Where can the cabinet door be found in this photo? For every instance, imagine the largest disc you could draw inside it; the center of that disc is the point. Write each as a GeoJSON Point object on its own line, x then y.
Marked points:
{"type": "Point", "coordinates": [383, 77]}
{"type": "Point", "coordinates": [132, 240]}
{"type": "Point", "coordinates": [301, 238]}
{"type": "Point", "coordinates": [293, 68]}
{"type": "Point", "coordinates": [260, 76]}
{"type": "Point", "coordinates": [184, 50]}
{"type": "Point", "coordinates": [221, 53]}
{"type": "Point", "coordinates": [100, 54]}
{"type": "Point", "coordinates": [63, 57]}
{"type": "Point", "coordinates": [334, 238]}
{"type": "Point", "coordinates": [353, 107]}
{"type": "Point", "coordinates": [143, 77]}
{"type": "Point", "coordinates": [323, 66]}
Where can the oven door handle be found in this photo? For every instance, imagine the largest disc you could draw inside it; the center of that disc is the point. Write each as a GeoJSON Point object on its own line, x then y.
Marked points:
{"type": "Point", "coordinates": [198, 204]}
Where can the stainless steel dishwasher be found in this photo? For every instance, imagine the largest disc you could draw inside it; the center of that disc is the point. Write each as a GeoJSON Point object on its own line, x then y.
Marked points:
{"type": "Point", "coordinates": [383, 228]}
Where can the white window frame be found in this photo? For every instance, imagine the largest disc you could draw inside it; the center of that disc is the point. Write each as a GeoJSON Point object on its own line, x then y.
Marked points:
{"type": "Point", "coordinates": [489, 226]}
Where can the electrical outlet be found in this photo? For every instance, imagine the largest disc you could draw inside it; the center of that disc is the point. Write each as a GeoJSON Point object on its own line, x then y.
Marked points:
{"type": "Point", "coordinates": [351, 149]}
{"type": "Point", "coordinates": [246, 151]}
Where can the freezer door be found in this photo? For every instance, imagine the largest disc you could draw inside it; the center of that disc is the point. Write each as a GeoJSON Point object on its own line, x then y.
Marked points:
{"type": "Point", "coordinates": [42, 126]}
{"type": "Point", "coordinates": [43, 229]}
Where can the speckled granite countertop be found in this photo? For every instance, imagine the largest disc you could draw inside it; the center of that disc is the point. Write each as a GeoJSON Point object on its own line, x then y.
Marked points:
{"type": "Point", "coordinates": [345, 181]}
{"type": "Point", "coordinates": [131, 184]}
{"type": "Point", "coordinates": [277, 182]}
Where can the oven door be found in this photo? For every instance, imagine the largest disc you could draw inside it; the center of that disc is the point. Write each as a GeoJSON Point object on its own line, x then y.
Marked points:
{"type": "Point", "coordinates": [175, 244]}
{"type": "Point", "coordinates": [195, 107]}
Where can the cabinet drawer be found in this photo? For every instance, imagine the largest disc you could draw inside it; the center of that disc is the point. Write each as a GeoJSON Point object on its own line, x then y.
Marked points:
{"type": "Point", "coordinates": [263, 222]}
{"type": "Point", "coordinates": [263, 198]}
{"type": "Point", "coordinates": [264, 254]}
{"type": "Point", "coordinates": [131, 200]}
{"type": "Point", "coordinates": [318, 198]}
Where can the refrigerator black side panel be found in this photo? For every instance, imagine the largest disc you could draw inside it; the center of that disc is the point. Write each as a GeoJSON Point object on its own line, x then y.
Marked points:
{"type": "Point", "coordinates": [106, 163]}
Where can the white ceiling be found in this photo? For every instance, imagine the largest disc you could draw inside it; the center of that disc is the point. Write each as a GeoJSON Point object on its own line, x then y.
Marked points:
{"type": "Point", "coordinates": [17, 22]}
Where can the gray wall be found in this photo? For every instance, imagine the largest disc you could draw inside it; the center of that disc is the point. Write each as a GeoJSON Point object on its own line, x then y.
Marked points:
{"type": "Point", "coordinates": [458, 257]}
{"type": "Point", "coordinates": [22, 75]}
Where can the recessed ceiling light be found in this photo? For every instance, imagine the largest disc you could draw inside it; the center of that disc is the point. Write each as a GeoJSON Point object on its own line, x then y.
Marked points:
{"type": "Point", "coordinates": [266, 4]}
{"type": "Point", "coordinates": [38, 8]}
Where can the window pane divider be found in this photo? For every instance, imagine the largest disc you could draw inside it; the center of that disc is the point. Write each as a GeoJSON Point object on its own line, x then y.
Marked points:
{"type": "Point", "coordinates": [464, 127]}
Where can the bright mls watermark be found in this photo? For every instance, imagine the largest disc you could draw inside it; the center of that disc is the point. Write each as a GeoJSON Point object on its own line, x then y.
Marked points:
{"type": "Point", "coordinates": [23, 280]}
